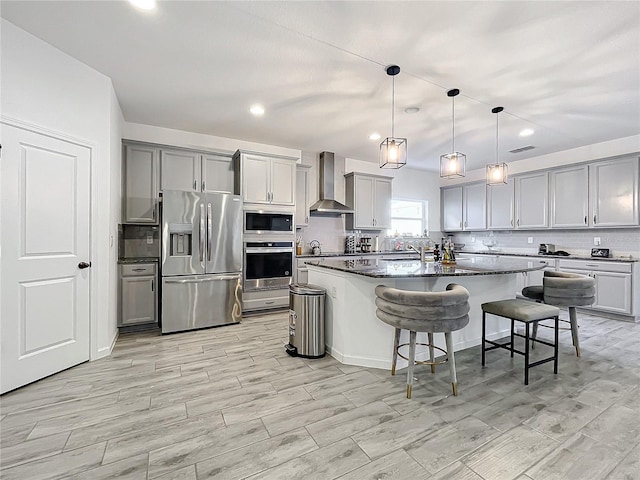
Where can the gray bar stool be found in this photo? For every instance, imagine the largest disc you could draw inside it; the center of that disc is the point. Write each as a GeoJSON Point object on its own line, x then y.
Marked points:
{"type": "Point", "coordinates": [431, 312]}
{"type": "Point", "coordinates": [525, 312]}
{"type": "Point", "coordinates": [563, 289]}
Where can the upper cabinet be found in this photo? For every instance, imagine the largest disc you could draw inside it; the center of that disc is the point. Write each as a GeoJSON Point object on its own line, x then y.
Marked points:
{"type": "Point", "coordinates": [613, 188]}
{"type": "Point", "coordinates": [500, 206]}
{"type": "Point", "coordinates": [474, 211]}
{"type": "Point", "coordinates": [370, 198]}
{"type": "Point", "coordinates": [464, 207]}
{"type": "Point", "coordinates": [264, 179]}
{"type": "Point", "coordinates": [140, 184]}
{"type": "Point", "coordinates": [451, 200]}
{"type": "Point", "coordinates": [532, 200]}
{"type": "Point", "coordinates": [179, 170]}
{"type": "Point", "coordinates": [302, 195]}
{"type": "Point", "coordinates": [195, 172]}
{"type": "Point", "coordinates": [569, 192]}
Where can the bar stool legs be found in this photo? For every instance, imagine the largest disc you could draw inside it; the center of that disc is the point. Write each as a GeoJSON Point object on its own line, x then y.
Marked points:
{"type": "Point", "coordinates": [573, 319]}
{"type": "Point", "coordinates": [412, 361]}
{"type": "Point", "coordinates": [452, 363]}
{"type": "Point", "coordinates": [396, 342]}
{"type": "Point", "coordinates": [431, 356]}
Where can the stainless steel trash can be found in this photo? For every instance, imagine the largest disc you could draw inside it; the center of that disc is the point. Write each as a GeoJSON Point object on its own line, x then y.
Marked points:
{"type": "Point", "coordinates": [306, 321]}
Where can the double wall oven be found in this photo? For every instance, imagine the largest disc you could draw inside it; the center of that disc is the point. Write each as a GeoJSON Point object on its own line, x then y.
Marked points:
{"type": "Point", "coordinates": [268, 251]}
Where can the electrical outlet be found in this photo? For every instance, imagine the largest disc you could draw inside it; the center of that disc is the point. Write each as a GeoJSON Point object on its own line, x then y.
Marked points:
{"type": "Point", "coordinates": [596, 241]}
{"type": "Point", "coordinates": [473, 239]}
{"type": "Point", "coordinates": [149, 239]}
{"type": "Point", "coordinates": [334, 292]}
{"type": "Point", "coordinates": [529, 239]}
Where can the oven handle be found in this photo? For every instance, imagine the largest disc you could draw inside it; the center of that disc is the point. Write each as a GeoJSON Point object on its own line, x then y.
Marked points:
{"type": "Point", "coordinates": [268, 250]}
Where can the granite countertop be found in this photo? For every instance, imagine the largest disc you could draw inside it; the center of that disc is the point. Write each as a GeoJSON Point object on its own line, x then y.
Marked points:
{"type": "Point", "coordinates": [360, 254]}
{"type": "Point", "coordinates": [124, 261]}
{"type": "Point", "coordinates": [564, 257]}
{"type": "Point", "coordinates": [410, 268]}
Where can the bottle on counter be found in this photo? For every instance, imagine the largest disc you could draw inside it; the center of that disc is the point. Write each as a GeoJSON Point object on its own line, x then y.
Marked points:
{"type": "Point", "coordinates": [436, 253]}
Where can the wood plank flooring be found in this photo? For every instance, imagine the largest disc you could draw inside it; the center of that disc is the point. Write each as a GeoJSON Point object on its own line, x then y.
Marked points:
{"type": "Point", "coordinates": [229, 403]}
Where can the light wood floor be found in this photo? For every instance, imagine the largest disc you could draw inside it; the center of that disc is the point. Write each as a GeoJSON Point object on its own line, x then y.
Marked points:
{"type": "Point", "coordinates": [228, 403]}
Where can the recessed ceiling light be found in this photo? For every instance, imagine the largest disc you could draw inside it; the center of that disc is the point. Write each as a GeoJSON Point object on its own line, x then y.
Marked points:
{"type": "Point", "coordinates": [412, 110]}
{"type": "Point", "coordinates": [257, 110]}
{"type": "Point", "coordinates": [144, 4]}
{"type": "Point", "coordinates": [526, 132]}
{"type": "Point", "coordinates": [374, 136]}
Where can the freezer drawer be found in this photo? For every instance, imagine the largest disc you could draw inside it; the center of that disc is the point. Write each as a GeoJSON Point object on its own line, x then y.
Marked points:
{"type": "Point", "coordinates": [199, 301]}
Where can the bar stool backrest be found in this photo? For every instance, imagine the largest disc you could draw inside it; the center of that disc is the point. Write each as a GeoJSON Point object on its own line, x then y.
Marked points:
{"type": "Point", "coordinates": [564, 289]}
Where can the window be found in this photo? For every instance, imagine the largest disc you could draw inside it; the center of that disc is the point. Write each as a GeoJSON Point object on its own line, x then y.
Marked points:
{"type": "Point", "coordinates": [408, 217]}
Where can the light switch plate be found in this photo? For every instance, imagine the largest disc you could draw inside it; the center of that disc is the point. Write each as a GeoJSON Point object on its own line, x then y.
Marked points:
{"type": "Point", "coordinates": [473, 239]}
{"type": "Point", "coordinates": [596, 241]}
{"type": "Point", "coordinates": [529, 239]}
{"type": "Point", "coordinates": [149, 239]}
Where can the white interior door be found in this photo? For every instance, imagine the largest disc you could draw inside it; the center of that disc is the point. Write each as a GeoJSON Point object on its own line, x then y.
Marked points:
{"type": "Point", "coordinates": [44, 298]}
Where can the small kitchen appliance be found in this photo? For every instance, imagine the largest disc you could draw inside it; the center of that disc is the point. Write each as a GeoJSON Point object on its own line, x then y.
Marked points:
{"type": "Point", "coordinates": [350, 244]}
{"type": "Point", "coordinates": [315, 247]}
{"type": "Point", "coordinates": [600, 252]}
{"type": "Point", "coordinates": [546, 249]}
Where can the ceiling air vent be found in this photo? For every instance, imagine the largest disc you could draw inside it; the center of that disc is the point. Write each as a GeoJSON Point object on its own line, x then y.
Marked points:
{"type": "Point", "coordinates": [522, 149]}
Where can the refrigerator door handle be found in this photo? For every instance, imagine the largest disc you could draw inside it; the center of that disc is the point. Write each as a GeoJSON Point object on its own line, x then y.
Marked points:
{"type": "Point", "coordinates": [202, 232]}
{"type": "Point", "coordinates": [208, 278]}
{"type": "Point", "coordinates": [209, 232]}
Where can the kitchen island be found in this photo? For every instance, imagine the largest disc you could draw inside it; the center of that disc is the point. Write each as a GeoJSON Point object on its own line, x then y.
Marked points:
{"type": "Point", "coordinates": [355, 336]}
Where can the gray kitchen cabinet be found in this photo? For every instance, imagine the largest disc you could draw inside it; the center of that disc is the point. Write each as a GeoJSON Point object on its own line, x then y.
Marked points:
{"type": "Point", "coordinates": [474, 206]}
{"type": "Point", "coordinates": [451, 200]}
{"type": "Point", "coordinates": [190, 171]}
{"type": "Point", "coordinates": [500, 206]}
{"type": "Point", "coordinates": [140, 184]}
{"type": "Point", "coordinates": [264, 179]}
{"type": "Point", "coordinates": [614, 192]}
{"type": "Point", "coordinates": [302, 195]}
{"type": "Point", "coordinates": [370, 198]}
{"type": "Point", "coordinates": [569, 197]}
{"type": "Point", "coordinates": [613, 283]}
{"type": "Point", "coordinates": [180, 170]}
{"type": "Point", "coordinates": [138, 294]}
{"type": "Point", "coordinates": [532, 201]}
{"type": "Point", "coordinates": [464, 207]}
{"type": "Point", "coordinates": [527, 279]}
{"type": "Point", "coordinates": [217, 173]}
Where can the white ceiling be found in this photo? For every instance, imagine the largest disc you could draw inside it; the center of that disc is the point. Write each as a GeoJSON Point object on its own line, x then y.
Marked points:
{"type": "Point", "coordinates": [570, 70]}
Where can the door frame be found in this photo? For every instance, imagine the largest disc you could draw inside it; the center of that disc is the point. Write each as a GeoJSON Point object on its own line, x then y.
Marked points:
{"type": "Point", "coordinates": [94, 351]}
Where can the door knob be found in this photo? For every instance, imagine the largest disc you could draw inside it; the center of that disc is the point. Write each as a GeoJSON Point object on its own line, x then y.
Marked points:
{"type": "Point", "coordinates": [83, 265]}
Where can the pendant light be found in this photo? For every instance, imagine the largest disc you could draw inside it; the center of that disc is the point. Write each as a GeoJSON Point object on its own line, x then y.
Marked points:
{"type": "Point", "coordinates": [496, 172]}
{"type": "Point", "coordinates": [453, 164]}
{"type": "Point", "coordinates": [393, 151]}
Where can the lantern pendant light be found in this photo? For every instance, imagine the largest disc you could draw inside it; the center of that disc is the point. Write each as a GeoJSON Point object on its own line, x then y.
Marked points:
{"type": "Point", "coordinates": [453, 164]}
{"type": "Point", "coordinates": [393, 151]}
{"type": "Point", "coordinates": [496, 172]}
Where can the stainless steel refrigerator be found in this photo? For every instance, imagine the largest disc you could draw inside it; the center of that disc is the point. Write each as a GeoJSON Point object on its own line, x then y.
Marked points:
{"type": "Point", "coordinates": [201, 260]}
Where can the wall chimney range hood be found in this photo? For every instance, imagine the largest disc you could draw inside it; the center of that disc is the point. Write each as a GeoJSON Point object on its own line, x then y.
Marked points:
{"type": "Point", "coordinates": [327, 205]}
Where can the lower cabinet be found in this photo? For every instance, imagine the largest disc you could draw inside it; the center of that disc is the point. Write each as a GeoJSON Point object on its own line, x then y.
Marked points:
{"type": "Point", "coordinates": [528, 279]}
{"type": "Point", "coordinates": [613, 283]}
{"type": "Point", "coordinates": [138, 294]}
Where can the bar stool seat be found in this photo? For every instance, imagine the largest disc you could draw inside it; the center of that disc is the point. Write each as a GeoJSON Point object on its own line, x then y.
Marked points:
{"type": "Point", "coordinates": [527, 313]}
{"type": "Point", "coordinates": [431, 312]}
{"type": "Point", "coordinates": [564, 289]}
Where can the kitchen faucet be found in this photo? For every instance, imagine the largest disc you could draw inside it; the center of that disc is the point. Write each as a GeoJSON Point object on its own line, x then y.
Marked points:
{"type": "Point", "coordinates": [421, 251]}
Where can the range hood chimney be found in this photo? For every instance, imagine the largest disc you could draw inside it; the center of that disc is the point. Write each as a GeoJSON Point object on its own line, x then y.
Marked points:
{"type": "Point", "coordinates": [327, 204]}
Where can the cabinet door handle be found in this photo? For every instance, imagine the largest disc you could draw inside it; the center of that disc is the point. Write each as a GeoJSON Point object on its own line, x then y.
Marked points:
{"type": "Point", "coordinates": [152, 285]}
{"type": "Point", "coordinates": [195, 184]}
{"type": "Point", "coordinates": [139, 269]}
{"type": "Point", "coordinates": [203, 186]}
{"type": "Point", "coordinates": [585, 219]}
{"type": "Point", "coordinates": [460, 224]}
{"type": "Point", "coordinates": [511, 222]}
{"type": "Point", "coordinates": [594, 219]}
{"type": "Point", "coordinates": [153, 212]}
{"type": "Point", "coordinates": [518, 222]}
{"type": "Point", "coordinates": [466, 224]}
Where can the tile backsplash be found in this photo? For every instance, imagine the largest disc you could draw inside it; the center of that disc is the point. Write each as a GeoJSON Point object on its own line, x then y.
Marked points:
{"type": "Point", "coordinates": [622, 242]}
{"type": "Point", "coordinates": [138, 241]}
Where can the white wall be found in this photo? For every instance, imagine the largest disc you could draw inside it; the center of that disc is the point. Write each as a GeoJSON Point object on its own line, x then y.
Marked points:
{"type": "Point", "coordinates": [596, 151]}
{"type": "Point", "coordinates": [50, 90]}
{"type": "Point", "coordinates": [179, 138]}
